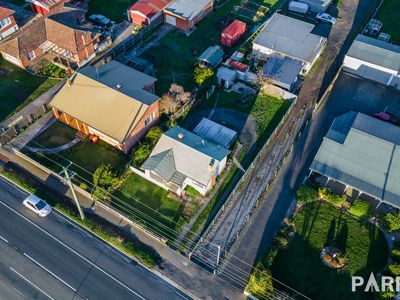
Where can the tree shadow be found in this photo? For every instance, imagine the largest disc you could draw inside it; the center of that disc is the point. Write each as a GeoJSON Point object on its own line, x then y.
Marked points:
{"type": "Point", "coordinates": [341, 236]}
{"type": "Point", "coordinates": [330, 237]}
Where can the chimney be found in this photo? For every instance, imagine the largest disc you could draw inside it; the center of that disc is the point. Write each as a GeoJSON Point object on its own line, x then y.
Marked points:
{"type": "Point", "coordinates": [202, 143]}
{"type": "Point", "coordinates": [180, 135]}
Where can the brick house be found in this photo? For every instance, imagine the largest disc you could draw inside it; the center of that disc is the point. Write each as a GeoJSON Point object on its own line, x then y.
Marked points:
{"type": "Point", "coordinates": [60, 33]}
{"type": "Point", "coordinates": [185, 14]}
{"type": "Point", "coordinates": [45, 6]}
{"type": "Point", "coordinates": [113, 102]}
{"type": "Point", "coordinates": [7, 22]}
{"type": "Point", "coordinates": [144, 12]}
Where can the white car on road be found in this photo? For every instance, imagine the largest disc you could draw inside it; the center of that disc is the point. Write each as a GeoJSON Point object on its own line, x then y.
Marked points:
{"type": "Point", "coordinates": [324, 17]}
{"type": "Point", "coordinates": [37, 205]}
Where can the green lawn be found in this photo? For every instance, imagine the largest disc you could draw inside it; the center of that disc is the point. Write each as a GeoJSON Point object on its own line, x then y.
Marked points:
{"type": "Point", "coordinates": [18, 88]}
{"type": "Point", "coordinates": [151, 200]}
{"type": "Point", "coordinates": [318, 225]}
{"type": "Point", "coordinates": [56, 135]}
{"type": "Point", "coordinates": [85, 154]}
{"type": "Point", "coordinates": [112, 9]}
{"type": "Point", "coordinates": [389, 15]}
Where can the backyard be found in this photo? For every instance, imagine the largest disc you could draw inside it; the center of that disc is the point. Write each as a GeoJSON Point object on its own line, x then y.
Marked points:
{"type": "Point", "coordinates": [389, 15]}
{"type": "Point", "coordinates": [317, 226]}
{"type": "Point", "coordinates": [18, 88]}
{"type": "Point", "coordinates": [115, 10]}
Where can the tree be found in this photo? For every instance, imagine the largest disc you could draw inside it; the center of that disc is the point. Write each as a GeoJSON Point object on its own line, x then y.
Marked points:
{"type": "Point", "coordinates": [143, 151]}
{"type": "Point", "coordinates": [306, 194]}
{"type": "Point", "coordinates": [391, 222]}
{"type": "Point", "coordinates": [104, 180]}
{"type": "Point", "coordinates": [153, 135]}
{"type": "Point", "coordinates": [202, 74]}
{"type": "Point", "coordinates": [260, 283]}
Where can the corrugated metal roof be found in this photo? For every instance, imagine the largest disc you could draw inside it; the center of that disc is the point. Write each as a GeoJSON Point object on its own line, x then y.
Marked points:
{"type": "Point", "coordinates": [192, 155]}
{"type": "Point", "coordinates": [215, 132]}
{"type": "Point", "coordinates": [368, 159]}
{"type": "Point", "coordinates": [234, 29]}
{"type": "Point", "coordinates": [187, 9]}
{"type": "Point", "coordinates": [213, 55]}
{"type": "Point", "coordinates": [376, 52]}
{"type": "Point", "coordinates": [291, 37]}
{"type": "Point", "coordinates": [226, 74]}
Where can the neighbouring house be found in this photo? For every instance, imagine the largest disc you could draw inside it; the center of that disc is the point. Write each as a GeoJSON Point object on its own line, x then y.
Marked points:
{"type": "Point", "coordinates": [212, 57]}
{"type": "Point", "coordinates": [289, 37]}
{"type": "Point", "coordinates": [242, 70]}
{"type": "Point", "coordinates": [114, 102]}
{"type": "Point", "coordinates": [7, 22]}
{"type": "Point", "coordinates": [59, 33]}
{"type": "Point", "coordinates": [226, 77]}
{"type": "Point", "coordinates": [216, 133]}
{"type": "Point", "coordinates": [375, 60]}
{"type": "Point", "coordinates": [282, 71]}
{"type": "Point", "coordinates": [182, 158]}
{"type": "Point", "coordinates": [185, 14]}
{"type": "Point", "coordinates": [233, 33]}
{"type": "Point", "coordinates": [317, 6]}
{"type": "Point", "coordinates": [45, 6]}
{"type": "Point", "coordinates": [363, 154]}
{"type": "Point", "coordinates": [144, 12]}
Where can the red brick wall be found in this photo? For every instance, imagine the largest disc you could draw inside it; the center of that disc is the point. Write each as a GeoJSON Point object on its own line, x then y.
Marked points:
{"type": "Point", "coordinates": [140, 130]}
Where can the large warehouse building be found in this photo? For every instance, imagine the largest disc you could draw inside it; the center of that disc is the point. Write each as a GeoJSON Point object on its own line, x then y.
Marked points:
{"type": "Point", "coordinates": [362, 153]}
{"type": "Point", "coordinates": [375, 60]}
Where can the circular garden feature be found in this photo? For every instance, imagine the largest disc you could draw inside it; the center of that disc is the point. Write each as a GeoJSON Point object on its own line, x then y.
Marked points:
{"type": "Point", "coordinates": [333, 257]}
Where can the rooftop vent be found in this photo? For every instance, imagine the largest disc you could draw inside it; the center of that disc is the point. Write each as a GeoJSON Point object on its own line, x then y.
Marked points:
{"type": "Point", "coordinates": [180, 135]}
{"type": "Point", "coordinates": [119, 86]}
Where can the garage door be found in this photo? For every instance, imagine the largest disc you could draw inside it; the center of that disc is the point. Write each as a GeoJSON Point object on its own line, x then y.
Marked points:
{"type": "Point", "coordinates": [170, 19]}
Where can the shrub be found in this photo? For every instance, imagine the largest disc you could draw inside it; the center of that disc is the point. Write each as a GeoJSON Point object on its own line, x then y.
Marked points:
{"type": "Point", "coordinates": [202, 74]}
{"type": "Point", "coordinates": [191, 191]}
{"type": "Point", "coordinates": [104, 180]}
{"type": "Point", "coordinates": [260, 283]}
{"type": "Point", "coordinates": [394, 269]}
{"type": "Point", "coordinates": [360, 208]}
{"type": "Point", "coordinates": [328, 195]}
{"type": "Point", "coordinates": [281, 242]}
{"type": "Point", "coordinates": [83, 186]}
{"type": "Point", "coordinates": [395, 254]}
{"type": "Point", "coordinates": [143, 151]}
{"type": "Point", "coordinates": [385, 295]}
{"type": "Point", "coordinates": [306, 194]}
{"type": "Point", "coordinates": [269, 257]}
{"type": "Point", "coordinates": [391, 222]}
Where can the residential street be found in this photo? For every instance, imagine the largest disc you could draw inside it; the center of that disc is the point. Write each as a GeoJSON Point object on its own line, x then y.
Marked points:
{"type": "Point", "coordinates": [52, 258]}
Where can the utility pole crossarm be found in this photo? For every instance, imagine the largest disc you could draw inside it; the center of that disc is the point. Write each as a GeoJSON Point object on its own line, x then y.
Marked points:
{"type": "Point", "coordinates": [71, 186]}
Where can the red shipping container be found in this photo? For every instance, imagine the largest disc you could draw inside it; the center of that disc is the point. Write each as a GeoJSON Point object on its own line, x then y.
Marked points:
{"type": "Point", "coordinates": [233, 33]}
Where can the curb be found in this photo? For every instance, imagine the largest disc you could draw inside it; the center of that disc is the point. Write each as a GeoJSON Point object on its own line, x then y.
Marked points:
{"type": "Point", "coordinates": [155, 272]}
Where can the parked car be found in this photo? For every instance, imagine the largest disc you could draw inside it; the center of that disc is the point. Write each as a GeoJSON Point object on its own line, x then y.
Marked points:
{"type": "Point", "coordinates": [298, 7]}
{"type": "Point", "coordinates": [101, 20]}
{"type": "Point", "coordinates": [37, 205]}
{"type": "Point", "coordinates": [324, 17]}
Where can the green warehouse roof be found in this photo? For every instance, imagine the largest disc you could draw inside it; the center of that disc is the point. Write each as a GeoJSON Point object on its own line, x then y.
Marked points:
{"type": "Point", "coordinates": [364, 153]}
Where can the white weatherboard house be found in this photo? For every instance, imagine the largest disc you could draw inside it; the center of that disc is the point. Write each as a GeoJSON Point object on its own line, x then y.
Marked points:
{"type": "Point", "coordinates": [182, 158]}
{"type": "Point", "coordinates": [291, 38]}
{"type": "Point", "coordinates": [375, 60]}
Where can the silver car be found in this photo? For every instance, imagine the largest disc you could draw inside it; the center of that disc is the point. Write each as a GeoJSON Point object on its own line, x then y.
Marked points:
{"type": "Point", "coordinates": [37, 205]}
{"type": "Point", "coordinates": [324, 17]}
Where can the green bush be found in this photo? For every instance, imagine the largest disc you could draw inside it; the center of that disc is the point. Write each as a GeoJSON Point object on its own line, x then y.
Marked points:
{"type": "Point", "coordinates": [391, 222]}
{"type": "Point", "coordinates": [395, 254]}
{"type": "Point", "coordinates": [105, 179]}
{"type": "Point", "coordinates": [143, 151]}
{"type": "Point", "coordinates": [360, 208]}
{"type": "Point", "coordinates": [83, 186]}
{"type": "Point", "coordinates": [281, 242]}
{"type": "Point", "coordinates": [306, 194]}
{"type": "Point", "coordinates": [269, 257]}
{"type": "Point", "coordinates": [191, 191]}
{"type": "Point", "coordinates": [386, 295]}
{"type": "Point", "coordinates": [202, 74]}
{"type": "Point", "coordinates": [394, 269]}
{"type": "Point", "coordinates": [328, 195]}
{"type": "Point", "coordinates": [260, 283]}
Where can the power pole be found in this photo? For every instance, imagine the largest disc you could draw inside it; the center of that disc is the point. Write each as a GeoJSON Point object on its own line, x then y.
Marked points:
{"type": "Point", "coordinates": [71, 186]}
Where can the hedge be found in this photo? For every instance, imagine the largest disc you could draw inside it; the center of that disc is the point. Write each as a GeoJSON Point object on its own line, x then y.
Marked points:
{"type": "Point", "coordinates": [360, 208]}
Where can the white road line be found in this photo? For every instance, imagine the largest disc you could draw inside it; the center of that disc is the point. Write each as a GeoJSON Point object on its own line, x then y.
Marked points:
{"type": "Point", "coordinates": [50, 272]}
{"type": "Point", "coordinates": [31, 283]}
{"type": "Point", "coordinates": [73, 251]}
{"type": "Point", "coordinates": [3, 239]}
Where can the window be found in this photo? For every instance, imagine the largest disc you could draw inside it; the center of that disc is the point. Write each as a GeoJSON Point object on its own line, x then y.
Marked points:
{"type": "Point", "coordinates": [5, 22]}
{"type": "Point", "coordinates": [149, 119]}
{"type": "Point", "coordinates": [31, 55]}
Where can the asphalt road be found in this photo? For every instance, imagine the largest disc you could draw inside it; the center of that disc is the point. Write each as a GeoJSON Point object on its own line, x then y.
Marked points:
{"type": "Point", "coordinates": [52, 258]}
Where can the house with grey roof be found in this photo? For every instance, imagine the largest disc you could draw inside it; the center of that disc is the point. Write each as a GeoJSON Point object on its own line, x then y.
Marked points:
{"type": "Point", "coordinates": [317, 6]}
{"type": "Point", "coordinates": [216, 133]}
{"type": "Point", "coordinates": [282, 71]}
{"type": "Point", "coordinates": [375, 60]}
{"type": "Point", "coordinates": [363, 153]}
{"type": "Point", "coordinates": [289, 37]}
{"type": "Point", "coordinates": [182, 158]}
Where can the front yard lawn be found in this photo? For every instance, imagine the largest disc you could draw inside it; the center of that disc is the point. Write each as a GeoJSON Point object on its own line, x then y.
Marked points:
{"type": "Point", "coordinates": [18, 88]}
{"type": "Point", "coordinates": [114, 10]}
{"type": "Point", "coordinates": [150, 200]}
{"type": "Point", "coordinates": [389, 15]}
{"type": "Point", "coordinates": [56, 135]}
{"type": "Point", "coordinates": [319, 225]}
